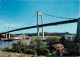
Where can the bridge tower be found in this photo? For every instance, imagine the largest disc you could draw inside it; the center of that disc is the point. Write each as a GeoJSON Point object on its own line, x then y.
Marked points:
{"type": "Point", "coordinates": [6, 31]}
{"type": "Point", "coordinates": [9, 32]}
{"type": "Point", "coordinates": [78, 31]}
{"type": "Point", "coordinates": [38, 13]}
{"type": "Point", "coordinates": [7, 35]}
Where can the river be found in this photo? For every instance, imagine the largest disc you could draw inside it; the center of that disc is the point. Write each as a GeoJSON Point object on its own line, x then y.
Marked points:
{"type": "Point", "coordinates": [4, 44]}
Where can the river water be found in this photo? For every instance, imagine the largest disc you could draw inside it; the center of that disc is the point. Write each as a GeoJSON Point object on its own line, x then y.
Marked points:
{"type": "Point", "coordinates": [4, 44]}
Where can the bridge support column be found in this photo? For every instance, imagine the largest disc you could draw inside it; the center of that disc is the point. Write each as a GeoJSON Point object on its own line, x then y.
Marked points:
{"type": "Point", "coordinates": [6, 35]}
{"type": "Point", "coordinates": [77, 39]}
{"type": "Point", "coordinates": [9, 32]}
{"type": "Point", "coordinates": [42, 27]}
{"type": "Point", "coordinates": [6, 31]}
{"type": "Point", "coordinates": [38, 13]}
{"type": "Point", "coordinates": [9, 35]}
{"type": "Point", "coordinates": [37, 25]}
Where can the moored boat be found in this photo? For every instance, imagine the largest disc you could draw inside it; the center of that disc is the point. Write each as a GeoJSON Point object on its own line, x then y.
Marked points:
{"type": "Point", "coordinates": [16, 39]}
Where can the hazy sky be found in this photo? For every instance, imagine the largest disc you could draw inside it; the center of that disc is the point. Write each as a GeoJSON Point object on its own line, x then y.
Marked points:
{"type": "Point", "coordinates": [15, 13]}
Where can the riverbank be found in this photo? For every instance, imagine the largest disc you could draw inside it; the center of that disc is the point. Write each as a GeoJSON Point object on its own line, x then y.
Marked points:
{"type": "Point", "coordinates": [12, 54]}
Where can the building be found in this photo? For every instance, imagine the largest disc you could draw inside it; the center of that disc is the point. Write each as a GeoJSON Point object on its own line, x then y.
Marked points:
{"type": "Point", "coordinates": [59, 47]}
{"type": "Point", "coordinates": [69, 37]}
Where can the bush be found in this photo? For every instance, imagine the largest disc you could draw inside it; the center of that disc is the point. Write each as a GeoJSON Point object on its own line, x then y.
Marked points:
{"type": "Point", "coordinates": [30, 51]}
{"type": "Point", "coordinates": [54, 53]}
{"type": "Point", "coordinates": [36, 47]}
{"type": "Point", "coordinates": [32, 42]}
{"type": "Point", "coordinates": [15, 49]}
{"type": "Point", "coordinates": [45, 51]}
{"type": "Point", "coordinates": [7, 49]}
{"type": "Point", "coordinates": [19, 51]}
{"type": "Point", "coordinates": [53, 40]}
{"type": "Point", "coordinates": [49, 54]}
{"type": "Point", "coordinates": [38, 42]}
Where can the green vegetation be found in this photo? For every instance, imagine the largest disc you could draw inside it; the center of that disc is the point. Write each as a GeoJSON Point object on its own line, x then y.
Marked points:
{"type": "Point", "coordinates": [52, 40]}
{"type": "Point", "coordinates": [73, 48]}
{"type": "Point", "coordinates": [49, 34]}
{"type": "Point", "coordinates": [38, 47]}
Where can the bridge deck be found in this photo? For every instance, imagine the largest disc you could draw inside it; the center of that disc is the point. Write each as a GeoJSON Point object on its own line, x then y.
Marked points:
{"type": "Point", "coordinates": [49, 24]}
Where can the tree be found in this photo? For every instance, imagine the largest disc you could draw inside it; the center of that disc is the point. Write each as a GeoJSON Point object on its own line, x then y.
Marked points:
{"type": "Point", "coordinates": [32, 42]}
{"type": "Point", "coordinates": [38, 42]}
{"type": "Point", "coordinates": [30, 51]}
{"type": "Point", "coordinates": [62, 40]}
{"type": "Point", "coordinates": [41, 49]}
{"type": "Point", "coordinates": [53, 40]}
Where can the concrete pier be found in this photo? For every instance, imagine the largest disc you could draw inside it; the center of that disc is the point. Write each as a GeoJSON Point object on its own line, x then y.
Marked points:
{"type": "Point", "coordinates": [78, 31]}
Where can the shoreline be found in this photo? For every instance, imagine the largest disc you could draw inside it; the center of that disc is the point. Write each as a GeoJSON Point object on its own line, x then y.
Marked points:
{"type": "Point", "coordinates": [12, 54]}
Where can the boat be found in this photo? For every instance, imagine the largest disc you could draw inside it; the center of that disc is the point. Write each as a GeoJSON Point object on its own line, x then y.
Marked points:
{"type": "Point", "coordinates": [8, 39]}
{"type": "Point", "coordinates": [27, 38]}
{"type": "Point", "coordinates": [16, 39]}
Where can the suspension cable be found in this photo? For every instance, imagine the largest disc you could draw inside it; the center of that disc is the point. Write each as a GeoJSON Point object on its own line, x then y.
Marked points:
{"type": "Point", "coordinates": [58, 16]}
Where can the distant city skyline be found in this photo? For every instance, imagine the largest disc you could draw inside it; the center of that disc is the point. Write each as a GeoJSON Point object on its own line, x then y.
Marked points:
{"type": "Point", "coordinates": [14, 13]}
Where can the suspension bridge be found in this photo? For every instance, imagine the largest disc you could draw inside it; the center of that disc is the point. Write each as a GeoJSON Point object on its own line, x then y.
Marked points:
{"type": "Point", "coordinates": [53, 22]}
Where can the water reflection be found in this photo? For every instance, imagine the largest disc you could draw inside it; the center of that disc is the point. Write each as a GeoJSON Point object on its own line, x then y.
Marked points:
{"type": "Point", "coordinates": [4, 44]}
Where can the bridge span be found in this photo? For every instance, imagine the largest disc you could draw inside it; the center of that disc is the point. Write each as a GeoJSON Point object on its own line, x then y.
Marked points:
{"type": "Point", "coordinates": [43, 25]}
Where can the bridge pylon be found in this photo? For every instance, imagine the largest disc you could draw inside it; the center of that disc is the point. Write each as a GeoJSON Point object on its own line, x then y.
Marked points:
{"type": "Point", "coordinates": [39, 13]}
{"type": "Point", "coordinates": [77, 39]}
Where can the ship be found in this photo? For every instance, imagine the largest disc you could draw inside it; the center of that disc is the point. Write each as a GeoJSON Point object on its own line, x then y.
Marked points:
{"type": "Point", "coordinates": [16, 39]}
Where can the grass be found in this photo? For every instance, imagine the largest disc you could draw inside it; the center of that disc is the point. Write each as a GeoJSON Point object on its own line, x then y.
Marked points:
{"type": "Point", "coordinates": [11, 54]}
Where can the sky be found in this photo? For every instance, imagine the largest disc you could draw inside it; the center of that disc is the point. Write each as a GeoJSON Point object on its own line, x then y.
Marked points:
{"type": "Point", "coordinates": [15, 13]}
